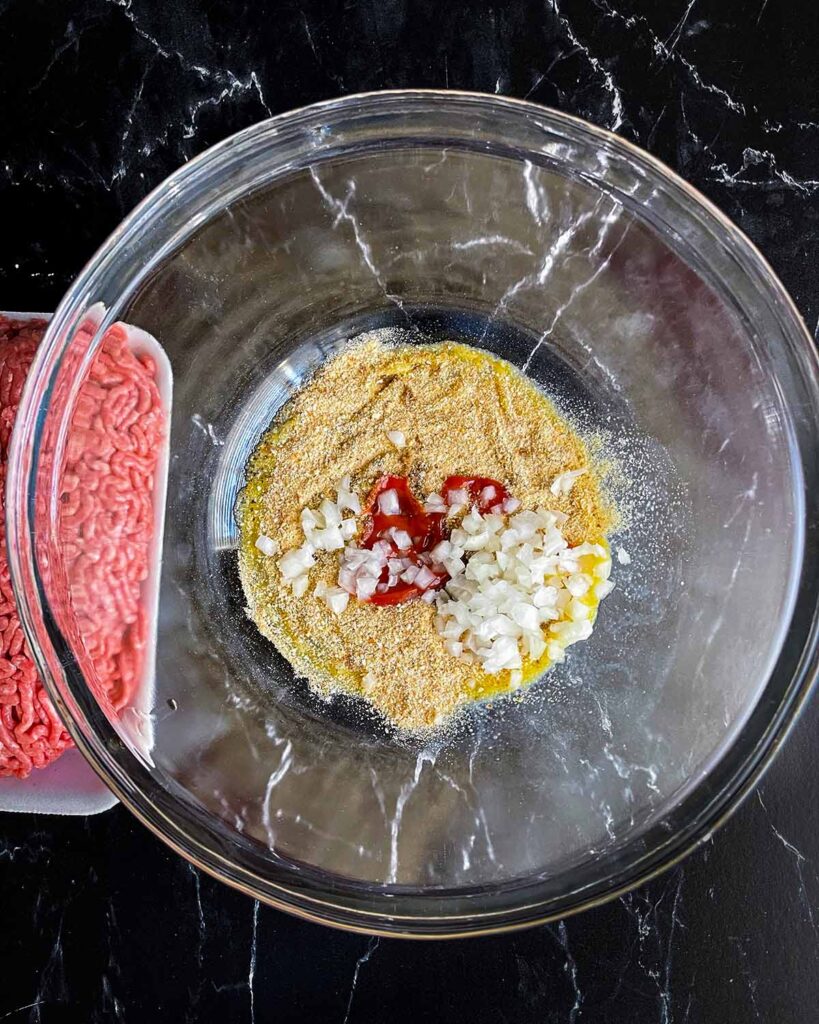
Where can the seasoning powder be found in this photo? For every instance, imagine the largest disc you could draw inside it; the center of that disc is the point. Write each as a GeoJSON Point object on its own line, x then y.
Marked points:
{"type": "Point", "coordinates": [461, 411]}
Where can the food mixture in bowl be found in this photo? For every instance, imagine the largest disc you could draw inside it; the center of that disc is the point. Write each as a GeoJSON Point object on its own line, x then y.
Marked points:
{"type": "Point", "coordinates": [420, 527]}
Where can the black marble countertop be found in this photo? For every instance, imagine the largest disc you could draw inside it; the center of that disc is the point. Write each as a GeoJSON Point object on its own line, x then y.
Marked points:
{"type": "Point", "coordinates": [100, 100]}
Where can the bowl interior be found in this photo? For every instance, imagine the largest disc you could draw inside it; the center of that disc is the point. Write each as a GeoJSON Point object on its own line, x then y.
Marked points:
{"type": "Point", "coordinates": [612, 288]}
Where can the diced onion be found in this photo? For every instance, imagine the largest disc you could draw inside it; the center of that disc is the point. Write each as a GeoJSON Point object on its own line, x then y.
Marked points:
{"type": "Point", "coordinates": [346, 580]}
{"type": "Point", "coordinates": [330, 539]}
{"type": "Point", "coordinates": [442, 550]}
{"type": "Point", "coordinates": [397, 438]}
{"type": "Point", "coordinates": [564, 482]}
{"type": "Point", "coordinates": [525, 615]}
{"type": "Point", "coordinates": [337, 600]}
{"type": "Point", "coordinates": [331, 512]}
{"type": "Point", "coordinates": [425, 578]}
{"type": "Point", "coordinates": [296, 562]}
{"type": "Point", "coordinates": [266, 545]}
{"type": "Point", "coordinates": [388, 503]}
{"type": "Point", "coordinates": [458, 498]}
{"type": "Point", "coordinates": [435, 503]}
{"type": "Point", "coordinates": [603, 589]}
{"type": "Point", "coordinates": [381, 550]}
{"type": "Point", "coordinates": [300, 584]}
{"type": "Point", "coordinates": [402, 539]}
{"type": "Point", "coordinates": [347, 499]}
{"type": "Point", "coordinates": [578, 584]}
{"type": "Point", "coordinates": [310, 521]}
{"type": "Point", "coordinates": [365, 587]}
{"type": "Point", "coordinates": [521, 593]}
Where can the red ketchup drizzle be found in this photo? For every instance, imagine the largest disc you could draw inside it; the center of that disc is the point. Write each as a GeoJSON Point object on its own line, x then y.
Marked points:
{"type": "Point", "coordinates": [425, 528]}
{"type": "Point", "coordinates": [475, 486]}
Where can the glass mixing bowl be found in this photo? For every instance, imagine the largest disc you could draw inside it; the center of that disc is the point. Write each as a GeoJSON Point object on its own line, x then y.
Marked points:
{"type": "Point", "coordinates": [650, 320]}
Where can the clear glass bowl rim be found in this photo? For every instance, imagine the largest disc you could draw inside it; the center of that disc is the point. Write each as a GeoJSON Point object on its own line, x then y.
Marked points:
{"type": "Point", "coordinates": [703, 810]}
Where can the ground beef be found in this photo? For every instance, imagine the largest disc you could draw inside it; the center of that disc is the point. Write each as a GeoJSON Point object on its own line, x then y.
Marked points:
{"type": "Point", "coordinates": [105, 525]}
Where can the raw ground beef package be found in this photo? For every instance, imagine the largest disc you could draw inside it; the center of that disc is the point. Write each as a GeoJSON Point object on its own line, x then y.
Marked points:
{"type": "Point", "coordinates": [105, 525]}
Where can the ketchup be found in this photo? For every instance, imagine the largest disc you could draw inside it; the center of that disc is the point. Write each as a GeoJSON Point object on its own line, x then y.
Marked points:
{"type": "Point", "coordinates": [425, 529]}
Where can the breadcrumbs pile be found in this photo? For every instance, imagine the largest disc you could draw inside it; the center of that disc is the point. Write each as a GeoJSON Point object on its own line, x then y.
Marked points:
{"type": "Point", "coordinates": [461, 411]}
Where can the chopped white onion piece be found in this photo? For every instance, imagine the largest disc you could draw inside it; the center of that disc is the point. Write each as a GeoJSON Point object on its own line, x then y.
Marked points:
{"type": "Point", "coordinates": [388, 502]}
{"type": "Point", "coordinates": [535, 645]}
{"type": "Point", "coordinates": [331, 513]}
{"type": "Point", "coordinates": [454, 566]}
{"type": "Point", "coordinates": [510, 504]}
{"type": "Point", "coordinates": [603, 589]}
{"type": "Point", "coordinates": [458, 499]}
{"type": "Point", "coordinates": [623, 557]}
{"type": "Point", "coordinates": [428, 597]}
{"type": "Point", "coordinates": [525, 615]}
{"type": "Point", "coordinates": [310, 521]}
{"type": "Point", "coordinates": [346, 579]}
{"type": "Point", "coordinates": [336, 599]}
{"type": "Point", "coordinates": [402, 539]}
{"type": "Point", "coordinates": [442, 550]}
{"type": "Point", "coordinates": [266, 545]}
{"type": "Point", "coordinates": [354, 558]}
{"type": "Point", "coordinates": [347, 499]}
{"type": "Point", "coordinates": [425, 578]}
{"type": "Point", "coordinates": [571, 632]}
{"type": "Point", "coordinates": [543, 597]}
{"type": "Point", "coordinates": [564, 482]}
{"type": "Point", "coordinates": [330, 539]}
{"type": "Point", "coordinates": [521, 593]}
{"type": "Point", "coordinates": [299, 585]}
{"type": "Point", "coordinates": [579, 584]}
{"type": "Point", "coordinates": [472, 522]}
{"type": "Point", "coordinates": [397, 438]}
{"type": "Point", "coordinates": [348, 528]}
{"type": "Point", "coordinates": [578, 611]}
{"type": "Point", "coordinates": [365, 587]}
{"type": "Point", "coordinates": [381, 551]}
{"type": "Point", "coordinates": [435, 503]}
{"type": "Point", "coordinates": [477, 541]}
{"type": "Point", "coordinates": [368, 682]}
{"type": "Point", "coordinates": [296, 562]}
